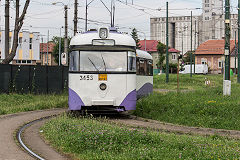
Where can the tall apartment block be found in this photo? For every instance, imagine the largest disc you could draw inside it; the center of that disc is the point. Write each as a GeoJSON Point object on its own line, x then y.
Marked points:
{"type": "Point", "coordinates": [208, 25]}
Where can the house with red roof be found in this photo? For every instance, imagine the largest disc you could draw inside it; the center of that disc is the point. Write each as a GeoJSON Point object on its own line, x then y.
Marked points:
{"type": "Point", "coordinates": [151, 47]}
{"type": "Point", "coordinates": [44, 53]}
{"type": "Point", "coordinates": [211, 53]}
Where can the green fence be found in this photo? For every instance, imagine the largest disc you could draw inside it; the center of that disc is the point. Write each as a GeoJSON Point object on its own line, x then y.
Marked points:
{"type": "Point", "coordinates": [33, 79]}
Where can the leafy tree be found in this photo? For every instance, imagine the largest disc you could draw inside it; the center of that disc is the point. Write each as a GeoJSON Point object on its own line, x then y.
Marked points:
{"type": "Point", "coordinates": [55, 53]}
{"type": "Point", "coordinates": [18, 25]}
{"type": "Point", "coordinates": [161, 48]}
{"type": "Point", "coordinates": [134, 35]}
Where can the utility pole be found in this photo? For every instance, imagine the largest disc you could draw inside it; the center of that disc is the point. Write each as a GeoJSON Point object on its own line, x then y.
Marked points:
{"type": "Point", "coordinates": [66, 30]}
{"type": "Point", "coordinates": [75, 16]}
{"type": "Point", "coordinates": [6, 28]}
{"type": "Point", "coordinates": [235, 53]}
{"type": "Point", "coordinates": [227, 82]}
{"type": "Point", "coordinates": [195, 45]}
{"type": "Point", "coordinates": [191, 49]}
{"type": "Point", "coordinates": [167, 58]}
{"type": "Point", "coordinates": [238, 77]}
{"type": "Point", "coordinates": [86, 16]}
{"type": "Point", "coordinates": [59, 49]}
{"type": "Point", "coordinates": [47, 46]}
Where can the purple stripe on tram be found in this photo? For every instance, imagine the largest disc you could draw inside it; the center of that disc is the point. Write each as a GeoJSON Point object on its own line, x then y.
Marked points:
{"type": "Point", "coordinates": [145, 90]}
{"type": "Point", "coordinates": [74, 101]}
{"type": "Point", "coordinates": [130, 101]}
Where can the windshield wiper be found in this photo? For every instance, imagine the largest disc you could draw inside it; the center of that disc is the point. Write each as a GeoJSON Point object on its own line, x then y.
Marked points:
{"type": "Point", "coordinates": [93, 64]}
{"type": "Point", "coordinates": [104, 63]}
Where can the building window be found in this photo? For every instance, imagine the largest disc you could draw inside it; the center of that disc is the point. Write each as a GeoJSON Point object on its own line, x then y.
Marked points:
{"type": "Point", "coordinates": [206, 11]}
{"type": "Point", "coordinates": [206, 18]}
{"type": "Point", "coordinates": [30, 43]}
{"type": "Point", "coordinates": [219, 64]}
{"type": "Point", "coordinates": [20, 42]}
{"type": "Point", "coordinates": [206, 1]}
{"type": "Point", "coordinates": [29, 62]}
{"type": "Point", "coordinates": [173, 56]}
{"type": "Point", "coordinates": [18, 61]}
{"type": "Point", "coordinates": [206, 5]}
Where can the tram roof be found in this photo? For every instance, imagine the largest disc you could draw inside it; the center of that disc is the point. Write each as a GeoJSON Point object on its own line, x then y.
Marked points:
{"type": "Point", "coordinates": [143, 54]}
{"type": "Point", "coordinates": [86, 38]}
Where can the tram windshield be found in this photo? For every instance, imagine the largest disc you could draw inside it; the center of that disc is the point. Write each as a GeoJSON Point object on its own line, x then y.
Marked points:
{"type": "Point", "coordinates": [98, 61]}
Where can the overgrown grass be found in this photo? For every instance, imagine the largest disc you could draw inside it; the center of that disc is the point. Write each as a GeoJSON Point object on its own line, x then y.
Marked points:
{"type": "Point", "coordinates": [13, 103]}
{"type": "Point", "coordinates": [185, 82]}
{"type": "Point", "coordinates": [95, 139]}
{"type": "Point", "coordinates": [203, 107]}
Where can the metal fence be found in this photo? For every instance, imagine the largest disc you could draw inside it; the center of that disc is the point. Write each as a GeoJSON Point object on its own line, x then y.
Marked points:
{"type": "Point", "coordinates": [33, 79]}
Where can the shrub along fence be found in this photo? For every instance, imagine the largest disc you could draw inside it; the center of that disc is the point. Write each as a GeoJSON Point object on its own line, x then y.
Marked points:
{"type": "Point", "coordinates": [33, 79]}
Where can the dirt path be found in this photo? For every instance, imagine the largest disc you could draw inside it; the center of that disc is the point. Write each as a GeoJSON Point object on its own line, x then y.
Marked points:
{"type": "Point", "coordinates": [9, 150]}
{"type": "Point", "coordinates": [167, 127]}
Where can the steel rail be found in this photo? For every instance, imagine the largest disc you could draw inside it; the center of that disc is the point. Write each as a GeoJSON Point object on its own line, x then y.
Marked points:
{"type": "Point", "coordinates": [20, 131]}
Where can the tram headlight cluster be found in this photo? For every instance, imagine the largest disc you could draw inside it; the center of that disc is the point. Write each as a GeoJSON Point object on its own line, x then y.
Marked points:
{"type": "Point", "coordinates": [103, 86]}
{"type": "Point", "coordinates": [103, 33]}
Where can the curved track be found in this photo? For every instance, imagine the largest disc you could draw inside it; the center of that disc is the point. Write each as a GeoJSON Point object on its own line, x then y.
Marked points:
{"type": "Point", "coordinates": [20, 139]}
{"type": "Point", "coordinates": [10, 123]}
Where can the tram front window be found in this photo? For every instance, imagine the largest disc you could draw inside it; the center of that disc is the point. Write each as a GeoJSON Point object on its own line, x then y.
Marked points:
{"type": "Point", "coordinates": [103, 61]}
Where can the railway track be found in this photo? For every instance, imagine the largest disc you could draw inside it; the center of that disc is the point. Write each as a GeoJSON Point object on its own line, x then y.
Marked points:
{"type": "Point", "coordinates": [20, 139]}
{"type": "Point", "coordinates": [30, 140]}
{"type": "Point", "coordinates": [9, 124]}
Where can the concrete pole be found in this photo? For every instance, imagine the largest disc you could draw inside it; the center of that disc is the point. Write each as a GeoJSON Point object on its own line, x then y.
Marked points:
{"type": "Point", "coordinates": [227, 40]}
{"type": "Point", "coordinates": [6, 28]}
{"type": "Point", "coordinates": [227, 82]}
{"type": "Point", "coordinates": [75, 16]}
{"type": "Point", "coordinates": [191, 49]}
{"type": "Point", "coordinates": [47, 46]}
{"type": "Point", "coordinates": [235, 53]}
{"type": "Point", "coordinates": [59, 49]}
{"type": "Point", "coordinates": [86, 16]}
{"type": "Point", "coordinates": [238, 77]}
{"type": "Point", "coordinates": [66, 30]}
{"type": "Point", "coordinates": [167, 58]}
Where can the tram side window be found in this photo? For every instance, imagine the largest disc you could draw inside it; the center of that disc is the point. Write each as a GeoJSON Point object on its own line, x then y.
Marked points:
{"type": "Point", "coordinates": [142, 67]}
{"type": "Point", "coordinates": [74, 61]}
{"type": "Point", "coordinates": [150, 68]}
{"type": "Point", "coordinates": [131, 61]}
{"type": "Point", "coordinates": [138, 66]}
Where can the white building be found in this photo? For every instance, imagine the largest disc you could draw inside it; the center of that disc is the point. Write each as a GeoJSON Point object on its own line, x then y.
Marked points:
{"type": "Point", "coordinates": [28, 51]}
{"type": "Point", "coordinates": [208, 25]}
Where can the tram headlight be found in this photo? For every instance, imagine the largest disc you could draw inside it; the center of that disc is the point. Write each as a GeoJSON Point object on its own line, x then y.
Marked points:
{"type": "Point", "coordinates": [103, 33]}
{"type": "Point", "coordinates": [103, 86]}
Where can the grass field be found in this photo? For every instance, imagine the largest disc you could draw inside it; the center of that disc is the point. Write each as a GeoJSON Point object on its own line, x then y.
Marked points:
{"type": "Point", "coordinates": [87, 138]}
{"type": "Point", "coordinates": [13, 103]}
{"type": "Point", "coordinates": [202, 106]}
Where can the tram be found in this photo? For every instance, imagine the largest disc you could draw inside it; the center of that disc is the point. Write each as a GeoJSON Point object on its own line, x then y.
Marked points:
{"type": "Point", "coordinates": [102, 71]}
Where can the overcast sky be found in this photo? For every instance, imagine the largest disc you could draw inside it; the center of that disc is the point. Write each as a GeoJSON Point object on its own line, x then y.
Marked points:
{"type": "Point", "coordinates": [43, 16]}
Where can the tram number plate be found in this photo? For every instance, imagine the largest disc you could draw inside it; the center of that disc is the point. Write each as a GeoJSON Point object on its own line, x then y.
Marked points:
{"type": "Point", "coordinates": [86, 77]}
{"type": "Point", "coordinates": [102, 77]}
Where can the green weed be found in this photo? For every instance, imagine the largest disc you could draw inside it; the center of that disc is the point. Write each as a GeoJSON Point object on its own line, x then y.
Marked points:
{"type": "Point", "coordinates": [86, 138]}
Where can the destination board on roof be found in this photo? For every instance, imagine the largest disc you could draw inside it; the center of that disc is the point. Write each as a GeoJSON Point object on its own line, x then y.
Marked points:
{"type": "Point", "coordinates": [104, 42]}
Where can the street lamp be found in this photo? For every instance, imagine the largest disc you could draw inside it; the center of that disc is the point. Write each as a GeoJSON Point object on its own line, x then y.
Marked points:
{"type": "Point", "coordinates": [66, 28]}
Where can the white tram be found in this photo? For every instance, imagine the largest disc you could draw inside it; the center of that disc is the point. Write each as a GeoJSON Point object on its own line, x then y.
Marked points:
{"type": "Point", "coordinates": [102, 71]}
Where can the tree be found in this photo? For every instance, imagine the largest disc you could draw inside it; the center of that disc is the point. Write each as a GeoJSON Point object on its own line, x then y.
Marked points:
{"type": "Point", "coordinates": [17, 27]}
{"type": "Point", "coordinates": [134, 35]}
{"type": "Point", "coordinates": [186, 57]}
{"type": "Point", "coordinates": [55, 53]}
{"type": "Point", "coordinates": [161, 48]}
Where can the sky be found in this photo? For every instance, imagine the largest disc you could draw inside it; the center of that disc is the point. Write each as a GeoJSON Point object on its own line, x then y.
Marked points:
{"type": "Point", "coordinates": [42, 16]}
